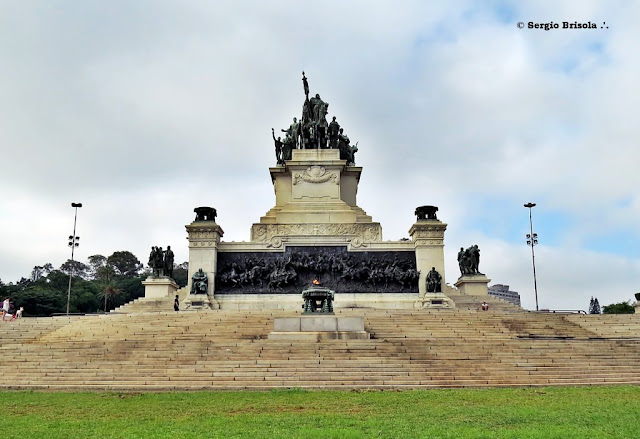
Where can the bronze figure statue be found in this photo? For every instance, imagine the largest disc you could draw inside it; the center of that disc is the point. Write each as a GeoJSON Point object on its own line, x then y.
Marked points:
{"type": "Point", "coordinates": [434, 281]}
{"type": "Point", "coordinates": [469, 261]}
{"type": "Point", "coordinates": [199, 282]}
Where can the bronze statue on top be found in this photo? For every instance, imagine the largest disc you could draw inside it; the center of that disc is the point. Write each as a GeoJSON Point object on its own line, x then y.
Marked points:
{"type": "Point", "coordinates": [426, 212]}
{"type": "Point", "coordinates": [313, 132]}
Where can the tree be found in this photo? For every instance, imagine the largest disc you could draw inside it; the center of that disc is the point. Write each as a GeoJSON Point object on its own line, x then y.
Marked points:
{"type": "Point", "coordinates": [76, 268]}
{"type": "Point", "coordinates": [110, 294]}
{"type": "Point", "coordinates": [619, 308]}
{"type": "Point", "coordinates": [39, 272]}
{"type": "Point", "coordinates": [96, 262]}
{"type": "Point", "coordinates": [594, 306]}
{"type": "Point", "coordinates": [181, 274]}
{"type": "Point", "coordinates": [125, 263]}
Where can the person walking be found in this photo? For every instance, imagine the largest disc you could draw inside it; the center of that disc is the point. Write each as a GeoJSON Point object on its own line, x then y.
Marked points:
{"type": "Point", "coordinates": [5, 307]}
{"type": "Point", "coordinates": [176, 304]}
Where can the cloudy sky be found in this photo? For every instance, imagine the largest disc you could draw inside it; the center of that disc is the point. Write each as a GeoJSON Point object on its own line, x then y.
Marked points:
{"type": "Point", "coordinates": [143, 110]}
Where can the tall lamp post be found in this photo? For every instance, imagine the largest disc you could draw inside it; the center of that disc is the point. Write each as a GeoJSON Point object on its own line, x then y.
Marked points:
{"type": "Point", "coordinates": [73, 243]}
{"type": "Point", "coordinates": [532, 240]}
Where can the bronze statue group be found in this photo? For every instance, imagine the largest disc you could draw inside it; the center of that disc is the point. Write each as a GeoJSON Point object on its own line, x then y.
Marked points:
{"type": "Point", "coordinates": [349, 273]}
{"type": "Point", "coordinates": [313, 131]}
{"type": "Point", "coordinates": [469, 260]}
{"type": "Point", "coordinates": [161, 262]}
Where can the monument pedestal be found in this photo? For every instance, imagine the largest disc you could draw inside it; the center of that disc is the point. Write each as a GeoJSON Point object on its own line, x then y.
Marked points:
{"type": "Point", "coordinates": [158, 287]}
{"type": "Point", "coordinates": [436, 300]}
{"type": "Point", "coordinates": [320, 327]}
{"type": "Point", "coordinates": [637, 307]}
{"type": "Point", "coordinates": [473, 285]}
{"type": "Point", "coordinates": [200, 301]}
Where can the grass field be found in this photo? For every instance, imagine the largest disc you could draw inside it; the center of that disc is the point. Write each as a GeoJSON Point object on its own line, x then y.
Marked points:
{"type": "Point", "coordinates": [574, 412]}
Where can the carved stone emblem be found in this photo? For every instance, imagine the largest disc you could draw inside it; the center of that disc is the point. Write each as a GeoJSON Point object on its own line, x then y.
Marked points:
{"type": "Point", "coordinates": [315, 174]}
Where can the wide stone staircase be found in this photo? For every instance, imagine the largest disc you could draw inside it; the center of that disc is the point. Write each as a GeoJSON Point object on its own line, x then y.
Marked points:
{"type": "Point", "coordinates": [230, 350]}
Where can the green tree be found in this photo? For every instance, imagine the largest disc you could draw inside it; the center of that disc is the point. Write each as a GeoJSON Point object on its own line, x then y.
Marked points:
{"type": "Point", "coordinates": [39, 272]}
{"type": "Point", "coordinates": [96, 263]}
{"type": "Point", "coordinates": [75, 267]}
{"type": "Point", "coordinates": [181, 274]}
{"type": "Point", "coordinates": [619, 308]}
{"type": "Point", "coordinates": [110, 295]}
{"type": "Point", "coordinates": [125, 263]}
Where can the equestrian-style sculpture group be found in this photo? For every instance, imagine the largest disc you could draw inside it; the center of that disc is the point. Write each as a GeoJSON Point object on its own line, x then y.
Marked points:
{"type": "Point", "coordinates": [313, 131]}
{"type": "Point", "coordinates": [469, 260]}
{"type": "Point", "coordinates": [262, 273]}
{"type": "Point", "coordinates": [161, 262]}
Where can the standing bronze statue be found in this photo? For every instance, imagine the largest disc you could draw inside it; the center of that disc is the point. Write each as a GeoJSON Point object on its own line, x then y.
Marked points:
{"type": "Point", "coordinates": [293, 132]}
{"type": "Point", "coordinates": [278, 145]}
{"type": "Point", "coordinates": [334, 130]}
{"type": "Point", "coordinates": [168, 262]}
{"type": "Point", "coordinates": [305, 84]}
{"type": "Point", "coordinates": [156, 261]}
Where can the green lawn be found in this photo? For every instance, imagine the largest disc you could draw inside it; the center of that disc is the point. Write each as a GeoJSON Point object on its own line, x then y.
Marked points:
{"type": "Point", "coordinates": [574, 412]}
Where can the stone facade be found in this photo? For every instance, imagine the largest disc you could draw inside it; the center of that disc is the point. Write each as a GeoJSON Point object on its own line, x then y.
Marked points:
{"type": "Point", "coordinates": [316, 206]}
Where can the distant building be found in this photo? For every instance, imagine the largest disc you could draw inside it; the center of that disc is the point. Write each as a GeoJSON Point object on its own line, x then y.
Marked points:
{"type": "Point", "coordinates": [502, 292]}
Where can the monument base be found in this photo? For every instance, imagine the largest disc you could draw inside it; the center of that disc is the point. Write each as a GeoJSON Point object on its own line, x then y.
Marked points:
{"type": "Point", "coordinates": [637, 307]}
{"type": "Point", "coordinates": [158, 287]}
{"type": "Point", "coordinates": [318, 327]}
{"type": "Point", "coordinates": [473, 285]}
{"type": "Point", "coordinates": [343, 300]}
{"type": "Point", "coordinates": [436, 300]}
{"type": "Point", "coordinates": [200, 301]}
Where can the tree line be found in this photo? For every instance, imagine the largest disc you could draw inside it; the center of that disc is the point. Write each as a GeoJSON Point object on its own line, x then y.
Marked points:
{"type": "Point", "coordinates": [100, 285]}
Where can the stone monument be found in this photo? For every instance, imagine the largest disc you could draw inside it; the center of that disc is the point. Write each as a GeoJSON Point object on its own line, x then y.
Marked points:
{"type": "Point", "coordinates": [316, 230]}
{"type": "Point", "coordinates": [160, 284]}
{"type": "Point", "coordinates": [471, 281]}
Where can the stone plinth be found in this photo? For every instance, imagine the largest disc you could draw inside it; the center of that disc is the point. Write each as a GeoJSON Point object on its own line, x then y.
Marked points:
{"type": "Point", "coordinates": [315, 200]}
{"type": "Point", "coordinates": [320, 327]}
{"type": "Point", "coordinates": [158, 287]}
{"type": "Point", "coordinates": [436, 300]}
{"type": "Point", "coordinates": [473, 285]}
{"type": "Point", "coordinates": [199, 301]}
{"type": "Point", "coordinates": [637, 307]}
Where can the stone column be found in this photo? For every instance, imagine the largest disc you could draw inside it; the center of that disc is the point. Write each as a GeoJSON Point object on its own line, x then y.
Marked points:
{"type": "Point", "coordinates": [428, 237]}
{"type": "Point", "coordinates": [204, 237]}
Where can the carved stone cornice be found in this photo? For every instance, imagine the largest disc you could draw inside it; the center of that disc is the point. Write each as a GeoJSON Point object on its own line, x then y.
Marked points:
{"type": "Point", "coordinates": [204, 234]}
{"type": "Point", "coordinates": [428, 233]}
{"type": "Point", "coordinates": [357, 234]}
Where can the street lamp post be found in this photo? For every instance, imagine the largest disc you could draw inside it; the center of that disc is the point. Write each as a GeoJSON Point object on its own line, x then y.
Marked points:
{"type": "Point", "coordinates": [73, 243]}
{"type": "Point", "coordinates": [532, 240]}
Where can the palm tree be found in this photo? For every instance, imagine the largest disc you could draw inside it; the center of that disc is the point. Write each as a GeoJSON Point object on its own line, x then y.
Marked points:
{"type": "Point", "coordinates": [110, 294]}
